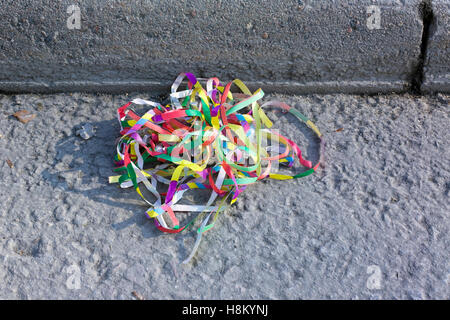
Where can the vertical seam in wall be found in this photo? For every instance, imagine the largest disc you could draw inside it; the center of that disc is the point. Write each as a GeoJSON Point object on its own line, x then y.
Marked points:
{"type": "Point", "coordinates": [427, 17]}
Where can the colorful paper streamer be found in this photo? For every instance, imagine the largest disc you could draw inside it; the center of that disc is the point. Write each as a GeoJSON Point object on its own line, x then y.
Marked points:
{"type": "Point", "coordinates": [203, 139]}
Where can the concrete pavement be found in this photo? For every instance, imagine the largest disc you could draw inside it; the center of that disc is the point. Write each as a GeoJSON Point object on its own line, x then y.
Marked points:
{"type": "Point", "coordinates": [372, 223]}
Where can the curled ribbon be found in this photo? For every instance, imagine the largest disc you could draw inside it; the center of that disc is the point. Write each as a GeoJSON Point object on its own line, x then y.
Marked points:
{"type": "Point", "coordinates": [204, 139]}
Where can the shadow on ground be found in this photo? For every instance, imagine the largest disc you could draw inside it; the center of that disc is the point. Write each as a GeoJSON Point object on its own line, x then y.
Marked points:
{"type": "Point", "coordinates": [83, 167]}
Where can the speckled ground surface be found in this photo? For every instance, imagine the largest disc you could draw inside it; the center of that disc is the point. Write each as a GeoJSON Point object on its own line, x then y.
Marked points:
{"type": "Point", "coordinates": [372, 223]}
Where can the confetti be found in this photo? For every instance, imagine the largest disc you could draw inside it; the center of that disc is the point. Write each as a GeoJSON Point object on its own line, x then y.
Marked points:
{"type": "Point", "coordinates": [10, 163]}
{"type": "Point", "coordinates": [24, 116]}
{"type": "Point", "coordinates": [205, 138]}
{"type": "Point", "coordinates": [137, 295]}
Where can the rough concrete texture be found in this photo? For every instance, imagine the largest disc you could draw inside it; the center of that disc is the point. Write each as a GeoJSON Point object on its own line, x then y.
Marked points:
{"type": "Point", "coordinates": [437, 62]}
{"type": "Point", "coordinates": [297, 45]}
{"type": "Point", "coordinates": [372, 223]}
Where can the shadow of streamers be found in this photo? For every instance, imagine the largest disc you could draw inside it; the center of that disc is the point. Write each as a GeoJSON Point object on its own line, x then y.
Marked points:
{"type": "Point", "coordinates": [83, 167]}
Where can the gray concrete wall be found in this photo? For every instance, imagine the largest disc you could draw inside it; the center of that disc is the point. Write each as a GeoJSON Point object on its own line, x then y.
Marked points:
{"type": "Point", "coordinates": [437, 62]}
{"type": "Point", "coordinates": [285, 45]}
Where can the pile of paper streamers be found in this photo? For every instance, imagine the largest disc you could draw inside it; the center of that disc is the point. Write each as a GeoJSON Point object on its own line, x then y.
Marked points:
{"type": "Point", "coordinates": [199, 141]}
